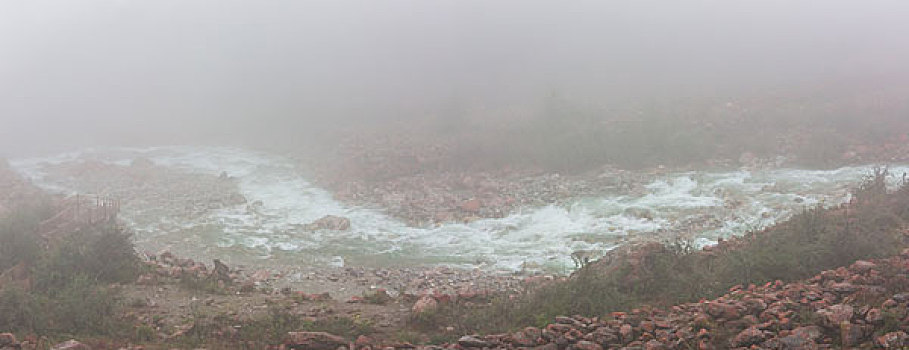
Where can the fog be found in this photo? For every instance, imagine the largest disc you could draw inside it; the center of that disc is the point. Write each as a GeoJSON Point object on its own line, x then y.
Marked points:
{"type": "Point", "coordinates": [88, 73]}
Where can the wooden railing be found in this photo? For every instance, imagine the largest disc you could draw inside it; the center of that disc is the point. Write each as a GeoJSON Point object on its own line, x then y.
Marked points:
{"type": "Point", "coordinates": [78, 211]}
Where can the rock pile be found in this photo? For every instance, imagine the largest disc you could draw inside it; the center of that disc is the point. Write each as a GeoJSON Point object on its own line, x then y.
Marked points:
{"type": "Point", "coordinates": [167, 266]}
{"type": "Point", "coordinates": [431, 198]}
{"type": "Point", "coordinates": [860, 306]}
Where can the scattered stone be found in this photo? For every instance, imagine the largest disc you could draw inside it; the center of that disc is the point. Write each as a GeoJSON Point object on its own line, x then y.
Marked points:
{"type": "Point", "coordinates": [473, 342]}
{"type": "Point", "coordinates": [71, 344]}
{"type": "Point", "coordinates": [314, 341]}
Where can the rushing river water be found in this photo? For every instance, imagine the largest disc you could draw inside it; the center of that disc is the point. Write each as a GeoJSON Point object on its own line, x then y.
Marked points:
{"type": "Point", "coordinates": [704, 205]}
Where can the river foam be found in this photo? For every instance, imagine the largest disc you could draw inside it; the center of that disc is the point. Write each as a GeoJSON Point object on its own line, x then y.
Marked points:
{"type": "Point", "coordinates": [701, 205]}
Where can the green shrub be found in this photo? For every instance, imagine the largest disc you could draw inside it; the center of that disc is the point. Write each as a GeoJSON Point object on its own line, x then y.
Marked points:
{"type": "Point", "coordinates": [102, 253]}
{"type": "Point", "coordinates": [80, 307]}
{"type": "Point", "coordinates": [70, 291]}
{"type": "Point", "coordinates": [18, 238]}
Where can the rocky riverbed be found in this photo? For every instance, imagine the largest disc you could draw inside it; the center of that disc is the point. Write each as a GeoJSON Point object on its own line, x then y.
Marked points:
{"type": "Point", "coordinates": [860, 306]}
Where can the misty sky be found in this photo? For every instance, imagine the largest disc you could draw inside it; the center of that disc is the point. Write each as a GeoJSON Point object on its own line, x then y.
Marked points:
{"type": "Point", "coordinates": [81, 73]}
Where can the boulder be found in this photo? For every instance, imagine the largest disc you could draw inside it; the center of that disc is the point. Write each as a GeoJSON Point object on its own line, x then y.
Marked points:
{"type": "Point", "coordinates": [797, 342]}
{"type": "Point", "coordinates": [862, 266]}
{"type": "Point", "coordinates": [874, 316]}
{"type": "Point", "coordinates": [424, 304]}
{"type": "Point", "coordinates": [220, 272]}
{"type": "Point", "coordinates": [748, 337]}
{"type": "Point", "coordinates": [330, 222]}
{"type": "Point", "coordinates": [654, 345]}
{"type": "Point", "coordinates": [313, 341]}
{"type": "Point", "coordinates": [473, 342]}
{"type": "Point", "coordinates": [812, 333]}
{"type": "Point", "coordinates": [587, 345]}
{"type": "Point", "coordinates": [837, 314]}
{"type": "Point", "coordinates": [7, 339]}
{"type": "Point", "coordinates": [626, 332]}
{"type": "Point", "coordinates": [472, 205]}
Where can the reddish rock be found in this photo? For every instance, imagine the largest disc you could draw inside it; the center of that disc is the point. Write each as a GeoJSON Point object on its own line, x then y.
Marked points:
{"type": "Point", "coordinates": [424, 304]}
{"type": "Point", "coordinates": [795, 342]}
{"type": "Point", "coordinates": [874, 316]}
{"type": "Point", "coordinates": [654, 345]}
{"type": "Point", "coordinates": [850, 334]}
{"type": "Point", "coordinates": [363, 341]}
{"type": "Point", "coordinates": [626, 332]}
{"type": "Point", "coordinates": [748, 337]}
{"type": "Point", "coordinates": [809, 332]}
{"type": "Point", "coordinates": [723, 310]}
{"type": "Point", "coordinates": [558, 327]}
{"type": "Point", "coordinates": [472, 205]}
{"type": "Point", "coordinates": [586, 345]}
{"type": "Point", "coordinates": [862, 266]}
{"type": "Point", "coordinates": [893, 340]}
{"type": "Point", "coordinates": [7, 339]}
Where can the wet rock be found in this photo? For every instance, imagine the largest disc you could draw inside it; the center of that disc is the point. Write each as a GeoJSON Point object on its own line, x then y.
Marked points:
{"type": "Point", "coordinates": [71, 344]}
{"type": "Point", "coordinates": [329, 222]}
{"type": "Point", "coordinates": [473, 342]}
{"type": "Point", "coordinates": [313, 341]}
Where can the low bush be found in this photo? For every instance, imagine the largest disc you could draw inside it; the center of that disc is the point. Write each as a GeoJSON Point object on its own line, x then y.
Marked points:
{"type": "Point", "coordinates": [18, 242]}
{"type": "Point", "coordinates": [101, 253]}
{"type": "Point", "coordinates": [70, 290]}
